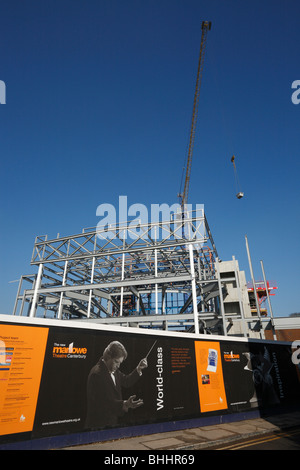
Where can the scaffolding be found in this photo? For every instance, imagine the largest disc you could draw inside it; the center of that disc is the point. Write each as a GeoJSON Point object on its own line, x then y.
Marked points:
{"type": "Point", "coordinates": [263, 290]}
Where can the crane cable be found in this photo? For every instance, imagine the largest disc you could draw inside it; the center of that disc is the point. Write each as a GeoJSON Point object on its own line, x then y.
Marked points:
{"type": "Point", "coordinates": [239, 194]}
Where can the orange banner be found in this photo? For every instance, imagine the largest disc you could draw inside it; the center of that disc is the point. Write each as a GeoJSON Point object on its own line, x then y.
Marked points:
{"type": "Point", "coordinates": [22, 351]}
{"type": "Point", "coordinates": [210, 376]}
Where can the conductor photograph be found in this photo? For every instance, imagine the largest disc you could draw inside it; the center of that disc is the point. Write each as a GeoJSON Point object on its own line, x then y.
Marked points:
{"type": "Point", "coordinates": [105, 403]}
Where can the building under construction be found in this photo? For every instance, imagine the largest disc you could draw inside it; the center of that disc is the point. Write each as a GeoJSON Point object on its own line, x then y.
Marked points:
{"type": "Point", "coordinates": [163, 275]}
{"type": "Point", "coordinates": [161, 278]}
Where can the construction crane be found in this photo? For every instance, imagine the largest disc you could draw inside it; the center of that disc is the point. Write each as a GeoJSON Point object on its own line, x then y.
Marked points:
{"type": "Point", "coordinates": [183, 196]}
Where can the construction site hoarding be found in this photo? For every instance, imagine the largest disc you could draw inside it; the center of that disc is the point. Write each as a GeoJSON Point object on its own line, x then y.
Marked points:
{"type": "Point", "coordinates": [55, 381]}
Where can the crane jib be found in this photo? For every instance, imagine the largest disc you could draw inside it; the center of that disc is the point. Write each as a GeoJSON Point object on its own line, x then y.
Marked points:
{"type": "Point", "coordinates": [206, 26]}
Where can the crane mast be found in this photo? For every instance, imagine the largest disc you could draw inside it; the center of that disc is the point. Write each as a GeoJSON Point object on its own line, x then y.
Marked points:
{"type": "Point", "coordinates": [183, 197]}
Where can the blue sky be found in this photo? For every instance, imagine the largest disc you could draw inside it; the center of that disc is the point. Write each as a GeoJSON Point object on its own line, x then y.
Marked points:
{"type": "Point", "coordinates": [99, 98]}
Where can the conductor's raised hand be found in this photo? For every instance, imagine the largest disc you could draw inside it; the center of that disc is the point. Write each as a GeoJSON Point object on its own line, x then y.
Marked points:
{"type": "Point", "coordinates": [142, 365]}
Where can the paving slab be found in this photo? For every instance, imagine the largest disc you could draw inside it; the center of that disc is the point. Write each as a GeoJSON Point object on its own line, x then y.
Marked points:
{"type": "Point", "coordinates": [164, 443]}
{"type": "Point", "coordinates": [212, 435]}
{"type": "Point", "coordinates": [263, 424]}
{"type": "Point", "coordinates": [241, 429]}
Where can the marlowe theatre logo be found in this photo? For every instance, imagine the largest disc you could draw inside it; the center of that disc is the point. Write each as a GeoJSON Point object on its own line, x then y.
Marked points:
{"type": "Point", "coordinates": [68, 351]}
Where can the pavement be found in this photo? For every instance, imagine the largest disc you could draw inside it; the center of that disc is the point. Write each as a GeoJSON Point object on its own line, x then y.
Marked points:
{"type": "Point", "coordinates": [201, 437]}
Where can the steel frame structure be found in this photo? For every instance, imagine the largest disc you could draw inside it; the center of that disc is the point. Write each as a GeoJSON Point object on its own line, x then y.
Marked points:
{"type": "Point", "coordinates": [160, 275]}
